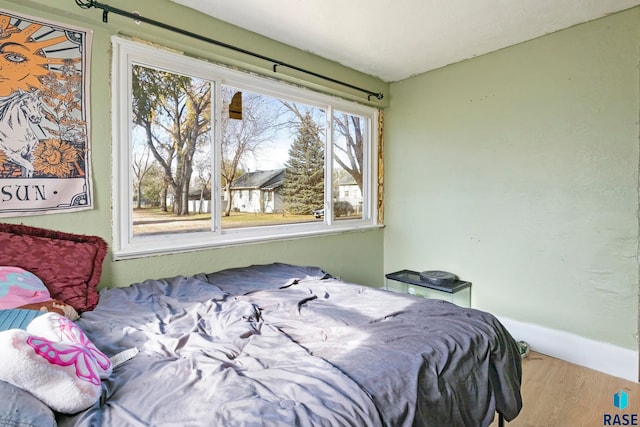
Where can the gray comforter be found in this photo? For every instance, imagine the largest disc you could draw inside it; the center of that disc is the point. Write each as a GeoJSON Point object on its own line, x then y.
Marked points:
{"type": "Point", "coordinates": [280, 345]}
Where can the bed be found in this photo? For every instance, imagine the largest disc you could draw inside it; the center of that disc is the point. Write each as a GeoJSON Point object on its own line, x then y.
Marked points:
{"type": "Point", "coordinates": [280, 344]}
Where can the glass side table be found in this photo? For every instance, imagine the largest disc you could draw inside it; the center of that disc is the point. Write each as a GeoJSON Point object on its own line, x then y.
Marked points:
{"type": "Point", "coordinates": [409, 282]}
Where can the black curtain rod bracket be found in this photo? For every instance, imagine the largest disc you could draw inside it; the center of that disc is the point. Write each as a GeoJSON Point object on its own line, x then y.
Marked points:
{"type": "Point", "coordinates": [87, 4]}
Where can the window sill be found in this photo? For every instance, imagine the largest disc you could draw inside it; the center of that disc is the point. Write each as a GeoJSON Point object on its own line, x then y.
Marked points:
{"type": "Point", "coordinates": [174, 244]}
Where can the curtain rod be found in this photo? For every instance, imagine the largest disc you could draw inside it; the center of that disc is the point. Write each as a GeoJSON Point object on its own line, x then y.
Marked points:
{"type": "Point", "coordinates": [86, 4]}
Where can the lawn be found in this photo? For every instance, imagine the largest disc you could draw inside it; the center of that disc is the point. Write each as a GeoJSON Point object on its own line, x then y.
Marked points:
{"type": "Point", "coordinates": [152, 221]}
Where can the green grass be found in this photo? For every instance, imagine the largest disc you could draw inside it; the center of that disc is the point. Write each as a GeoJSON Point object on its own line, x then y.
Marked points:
{"type": "Point", "coordinates": [147, 217]}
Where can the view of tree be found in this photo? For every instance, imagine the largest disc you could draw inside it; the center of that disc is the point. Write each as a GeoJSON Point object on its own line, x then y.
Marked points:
{"type": "Point", "coordinates": [203, 178]}
{"type": "Point", "coordinates": [175, 114]}
{"type": "Point", "coordinates": [153, 186]}
{"type": "Point", "coordinates": [304, 175]}
{"type": "Point", "coordinates": [224, 152]}
{"type": "Point", "coordinates": [349, 153]}
{"type": "Point", "coordinates": [141, 165]}
{"type": "Point", "coordinates": [172, 146]}
{"type": "Point", "coordinates": [243, 138]}
{"type": "Point", "coordinates": [349, 140]}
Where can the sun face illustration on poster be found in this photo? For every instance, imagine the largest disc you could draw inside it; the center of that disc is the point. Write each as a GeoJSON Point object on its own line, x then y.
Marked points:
{"type": "Point", "coordinates": [44, 147]}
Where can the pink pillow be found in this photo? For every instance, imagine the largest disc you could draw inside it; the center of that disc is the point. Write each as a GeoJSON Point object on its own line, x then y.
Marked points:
{"type": "Point", "coordinates": [19, 287]}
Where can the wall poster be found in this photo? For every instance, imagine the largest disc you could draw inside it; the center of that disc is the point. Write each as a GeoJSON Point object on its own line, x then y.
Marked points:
{"type": "Point", "coordinates": [44, 116]}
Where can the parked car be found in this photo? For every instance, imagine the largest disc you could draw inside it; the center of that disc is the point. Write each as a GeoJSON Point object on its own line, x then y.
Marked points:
{"type": "Point", "coordinates": [318, 213]}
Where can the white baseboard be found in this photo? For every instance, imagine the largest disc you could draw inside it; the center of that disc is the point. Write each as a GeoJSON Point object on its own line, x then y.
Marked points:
{"type": "Point", "coordinates": [604, 357]}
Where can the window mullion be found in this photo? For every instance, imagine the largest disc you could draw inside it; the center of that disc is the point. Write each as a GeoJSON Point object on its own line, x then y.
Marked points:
{"type": "Point", "coordinates": [328, 167]}
{"type": "Point", "coordinates": [216, 158]}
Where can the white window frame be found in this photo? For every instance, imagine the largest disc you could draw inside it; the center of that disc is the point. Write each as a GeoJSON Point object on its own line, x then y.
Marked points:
{"type": "Point", "coordinates": [127, 53]}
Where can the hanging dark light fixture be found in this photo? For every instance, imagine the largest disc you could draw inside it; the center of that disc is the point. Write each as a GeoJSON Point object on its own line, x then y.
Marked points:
{"type": "Point", "coordinates": [235, 108]}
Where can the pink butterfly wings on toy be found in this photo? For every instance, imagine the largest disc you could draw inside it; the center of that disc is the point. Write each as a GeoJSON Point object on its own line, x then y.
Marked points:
{"type": "Point", "coordinates": [62, 375]}
{"type": "Point", "coordinates": [65, 354]}
{"type": "Point", "coordinates": [58, 328]}
{"type": "Point", "coordinates": [72, 333]}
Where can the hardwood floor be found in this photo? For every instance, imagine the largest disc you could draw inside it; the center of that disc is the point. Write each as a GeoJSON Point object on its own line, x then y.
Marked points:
{"type": "Point", "coordinates": [561, 394]}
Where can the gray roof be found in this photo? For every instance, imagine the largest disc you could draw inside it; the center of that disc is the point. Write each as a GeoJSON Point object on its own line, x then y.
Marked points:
{"type": "Point", "coordinates": [265, 180]}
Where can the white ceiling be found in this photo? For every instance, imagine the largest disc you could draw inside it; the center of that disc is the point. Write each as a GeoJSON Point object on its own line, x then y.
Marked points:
{"type": "Point", "coordinates": [395, 39]}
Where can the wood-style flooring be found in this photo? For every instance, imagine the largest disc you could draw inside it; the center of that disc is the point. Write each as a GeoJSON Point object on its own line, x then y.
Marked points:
{"type": "Point", "coordinates": [556, 393]}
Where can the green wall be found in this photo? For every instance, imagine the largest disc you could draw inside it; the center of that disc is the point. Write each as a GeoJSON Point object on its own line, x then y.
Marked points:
{"type": "Point", "coordinates": [356, 256]}
{"type": "Point", "coordinates": [518, 171]}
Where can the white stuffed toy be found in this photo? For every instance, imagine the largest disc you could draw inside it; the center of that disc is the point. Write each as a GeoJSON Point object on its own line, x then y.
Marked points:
{"type": "Point", "coordinates": [55, 361]}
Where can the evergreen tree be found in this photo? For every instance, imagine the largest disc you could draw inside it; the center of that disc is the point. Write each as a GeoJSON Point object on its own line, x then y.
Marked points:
{"type": "Point", "coordinates": [303, 187]}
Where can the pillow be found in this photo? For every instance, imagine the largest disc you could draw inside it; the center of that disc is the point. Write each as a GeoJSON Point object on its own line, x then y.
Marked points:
{"type": "Point", "coordinates": [19, 287]}
{"type": "Point", "coordinates": [19, 408]}
{"type": "Point", "coordinates": [22, 289]}
{"type": "Point", "coordinates": [17, 318]}
{"type": "Point", "coordinates": [70, 265]}
{"type": "Point", "coordinates": [58, 329]}
{"type": "Point", "coordinates": [54, 361]}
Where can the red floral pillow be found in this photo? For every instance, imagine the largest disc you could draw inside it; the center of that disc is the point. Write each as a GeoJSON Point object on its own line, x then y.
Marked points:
{"type": "Point", "coordinates": [70, 265]}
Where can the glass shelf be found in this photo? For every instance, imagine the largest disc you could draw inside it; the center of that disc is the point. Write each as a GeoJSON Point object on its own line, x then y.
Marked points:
{"type": "Point", "coordinates": [409, 282]}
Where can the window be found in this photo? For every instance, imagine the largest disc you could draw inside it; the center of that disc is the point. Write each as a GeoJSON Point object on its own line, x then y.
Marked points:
{"type": "Point", "coordinates": [207, 156]}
